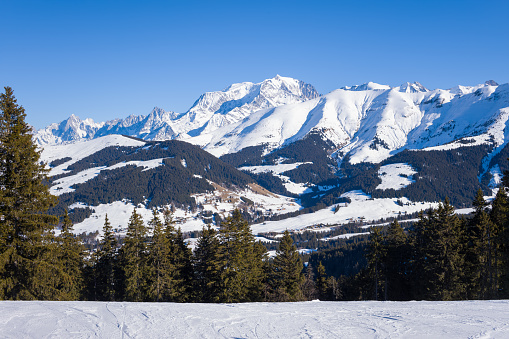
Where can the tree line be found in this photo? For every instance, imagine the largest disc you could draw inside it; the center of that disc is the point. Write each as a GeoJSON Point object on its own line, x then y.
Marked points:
{"type": "Point", "coordinates": [442, 257]}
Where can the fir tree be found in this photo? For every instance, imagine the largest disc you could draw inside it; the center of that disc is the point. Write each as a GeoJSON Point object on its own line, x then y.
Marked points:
{"type": "Point", "coordinates": [241, 259]}
{"type": "Point", "coordinates": [71, 257]}
{"type": "Point", "coordinates": [480, 252]}
{"type": "Point", "coordinates": [322, 283]}
{"type": "Point", "coordinates": [499, 216]}
{"type": "Point", "coordinates": [27, 269]}
{"type": "Point", "coordinates": [207, 266]}
{"type": "Point", "coordinates": [180, 258]}
{"type": "Point", "coordinates": [438, 270]}
{"type": "Point", "coordinates": [376, 259]}
{"type": "Point", "coordinates": [106, 265]}
{"type": "Point", "coordinates": [287, 271]}
{"type": "Point", "coordinates": [396, 263]}
{"type": "Point", "coordinates": [134, 257]}
{"type": "Point", "coordinates": [161, 270]}
{"type": "Point", "coordinates": [308, 287]}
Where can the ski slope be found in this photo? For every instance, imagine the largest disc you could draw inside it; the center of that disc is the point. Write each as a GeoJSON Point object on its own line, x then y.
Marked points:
{"type": "Point", "coordinates": [368, 319]}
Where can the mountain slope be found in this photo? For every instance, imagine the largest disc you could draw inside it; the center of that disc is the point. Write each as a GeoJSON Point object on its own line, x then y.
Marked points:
{"type": "Point", "coordinates": [370, 125]}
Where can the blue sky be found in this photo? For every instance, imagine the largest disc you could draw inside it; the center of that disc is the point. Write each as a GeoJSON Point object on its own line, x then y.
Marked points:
{"type": "Point", "coordinates": [109, 59]}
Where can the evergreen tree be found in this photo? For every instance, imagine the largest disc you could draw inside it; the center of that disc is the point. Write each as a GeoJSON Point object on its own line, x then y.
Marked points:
{"type": "Point", "coordinates": [241, 258]}
{"type": "Point", "coordinates": [499, 216]}
{"type": "Point", "coordinates": [106, 265]}
{"type": "Point", "coordinates": [161, 270]}
{"type": "Point", "coordinates": [322, 283]}
{"type": "Point", "coordinates": [207, 266]}
{"type": "Point", "coordinates": [376, 259]}
{"type": "Point", "coordinates": [480, 252]}
{"type": "Point", "coordinates": [287, 271]}
{"type": "Point", "coordinates": [134, 257]}
{"type": "Point", "coordinates": [71, 257]}
{"type": "Point", "coordinates": [439, 259]}
{"type": "Point", "coordinates": [396, 263]}
{"type": "Point", "coordinates": [27, 267]}
{"type": "Point", "coordinates": [308, 288]}
{"type": "Point", "coordinates": [180, 260]}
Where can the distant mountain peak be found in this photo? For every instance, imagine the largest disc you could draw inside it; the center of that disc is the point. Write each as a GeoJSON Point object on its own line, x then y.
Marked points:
{"type": "Point", "coordinates": [491, 83]}
{"type": "Point", "coordinates": [414, 87]}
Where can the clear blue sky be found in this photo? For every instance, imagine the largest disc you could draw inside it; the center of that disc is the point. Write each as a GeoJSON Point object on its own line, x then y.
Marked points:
{"type": "Point", "coordinates": [108, 59]}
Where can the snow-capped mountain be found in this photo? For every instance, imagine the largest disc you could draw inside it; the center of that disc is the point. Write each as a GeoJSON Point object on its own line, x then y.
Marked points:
{"type": "Point", "coordinates": [370, 123]}
{"type": "Point", "coordinates": [211, 111]}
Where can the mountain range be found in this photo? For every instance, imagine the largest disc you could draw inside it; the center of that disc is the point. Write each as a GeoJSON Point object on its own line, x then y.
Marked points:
{"type": "Point", "coordinates": [388, 142]}
{"type": "Point", "coordinates": [369, 122]}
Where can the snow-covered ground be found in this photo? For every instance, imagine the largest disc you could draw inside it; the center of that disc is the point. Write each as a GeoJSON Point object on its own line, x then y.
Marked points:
{"type": "Point", "coordinates": [396, 176]}
{"type": "Point", "coordinates": [362, 207]}
{"type": "Point", "coordinates": [368, 319]}
{"type": "Point", "coordinates": [80, 150]}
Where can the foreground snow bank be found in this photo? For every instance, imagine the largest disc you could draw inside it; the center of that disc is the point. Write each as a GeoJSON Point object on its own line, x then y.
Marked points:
{"type": "Point", "coordinates": [255, 320]}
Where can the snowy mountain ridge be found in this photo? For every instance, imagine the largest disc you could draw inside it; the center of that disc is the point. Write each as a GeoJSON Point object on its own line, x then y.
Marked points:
{"type": "Point", "coordinates": [368, 122]}
{"type": "Point", "coordinates": [211, 111]}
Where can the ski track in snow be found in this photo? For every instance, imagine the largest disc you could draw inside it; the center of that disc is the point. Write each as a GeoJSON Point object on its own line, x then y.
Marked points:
{"type": "Point", "coordinates": [365, 319]}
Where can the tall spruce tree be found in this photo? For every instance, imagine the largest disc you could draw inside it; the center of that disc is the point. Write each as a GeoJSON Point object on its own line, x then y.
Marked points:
{"type": "Point", "coordinates": [396, 263]}
{"type": "Point", "coordinates": [180, 259]}
{"type": "Point", "coordinates": [134, 257]}
{"type": "Point", "coordinates": [287, 274]}
{"type": "Point", "coordinates": [480, 252]}
{"type": "Point", "coordinates": [106, 265]}
{"type": "Point", "coordinates": [161, 270]}
{"type": "Point", "coordinates": [439, 260]}
{"type": "Point", "coordinates": [241, 258]}
{"type": "Point", "coordinates": [207, 266]}
{"type": "Point", "coordinates": [27, 269]}
{"type": "Point", "coordinates": [376, 255]}
{"type": "Point", "coordinates": [71, 257]}
{"type": "Point", "coordinates": [499, 215]}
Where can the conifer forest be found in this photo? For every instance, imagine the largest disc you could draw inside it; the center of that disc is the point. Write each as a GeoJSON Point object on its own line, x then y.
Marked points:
{"type": "Point", "coordinates": [441, 256]}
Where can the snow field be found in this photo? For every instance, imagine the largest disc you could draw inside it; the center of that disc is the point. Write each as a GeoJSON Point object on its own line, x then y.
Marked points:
{"type": "Point", "coordinates": [80, 150]}
{"type": "Point", "coordinates": [366, 319]}
{"type": "Point", "coordinates": [362, 207]}
{"type": "Point", "coordinates": [396, 176]}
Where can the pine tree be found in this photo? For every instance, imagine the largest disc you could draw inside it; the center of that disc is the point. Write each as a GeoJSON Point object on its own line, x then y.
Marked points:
{"type": "Point", "coordinates": [106, 265]}
{"type": "Point", "coordinates": [180, 258]}
{"type": "Point", "coordinates": [241, 258]}
{"type": "Point", "coordinates": [499, 216]}
{"type": "Point", "coordinates": [161, 270]}
{"type": "Point", "coordinates": [134, 257]}
{"type": "Point", "coordinates": [322, 283]}
{"type": "Point", "coordinates": [396, 263]}
{"type": "Point", "coordinates": [287, 271]}
{"type": "Point", "coordinates": [27, 270]}
{"type": "Point", "coordinates": [376, 259]}
{"type": "Point", "coordinates": [480, 252]}
{"type": "Point", "coordinates": [71, 257]}
{"type": "Point", "coordinates": [207, 266]}
{"type": "Point", "coordinates": [308, 286]}
{"type": "Point", "coordinates": [439, 260]}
